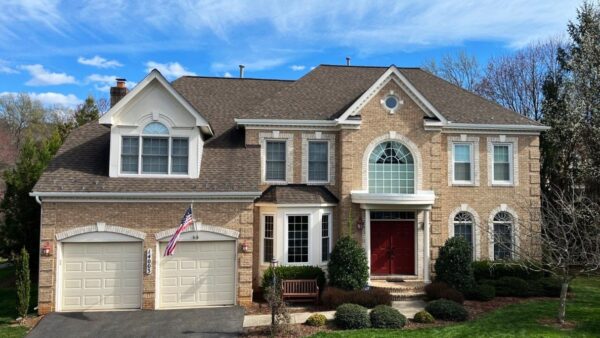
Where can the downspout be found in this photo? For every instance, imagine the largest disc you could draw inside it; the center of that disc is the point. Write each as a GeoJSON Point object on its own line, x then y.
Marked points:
{"type": "Point", "coordinates": [38, 200]}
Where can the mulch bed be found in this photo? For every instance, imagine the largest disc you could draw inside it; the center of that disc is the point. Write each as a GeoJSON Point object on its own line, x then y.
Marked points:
{"type": "Point", "coordinates": [476, 309]}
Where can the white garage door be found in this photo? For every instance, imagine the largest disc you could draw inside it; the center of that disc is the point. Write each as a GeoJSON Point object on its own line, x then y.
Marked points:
{"type": "Point", "coordinates": [198, 274]}
{"type": "Point", "coordinates": [101, 276]}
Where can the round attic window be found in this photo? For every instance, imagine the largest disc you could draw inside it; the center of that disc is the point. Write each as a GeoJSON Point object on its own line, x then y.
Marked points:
{"type": "Point", "coordinates": [391, 102]}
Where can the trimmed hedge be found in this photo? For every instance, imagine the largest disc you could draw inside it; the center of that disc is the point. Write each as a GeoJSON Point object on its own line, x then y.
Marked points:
{"type": "Point", "coordinates": [511, 287]}
{"type": "Point", "coordinates": [348, 268]}
{"type": "Point", "coordinates": [294, 272]}
{"type": "Point", "coordinates": [423, 317]}
{"type": "Point", "coordinates": [386, 317]}
{"type": "Point", "coordinates": [441, 290]}
{"type": "Point", "coordinates": [334, 297]}
{"type": "Point", "coordinates": [552, 286]}
{"type": "Point", "coordinates": [316, 319]}
{"type": "Point", "coordinates": [447, 310]}
{"type": "Point", "coordinates": [352, 316]}
{"type": "Point", "coordinates": [483, 270]}
{"type": "Point", "coordinates": [481, 292]}
{"type": "Point", "coordinates": [453, 265]}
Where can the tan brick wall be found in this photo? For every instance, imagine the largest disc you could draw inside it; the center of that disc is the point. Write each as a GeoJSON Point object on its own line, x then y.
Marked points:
{"type": "Point", "coordinates": [149, 218]}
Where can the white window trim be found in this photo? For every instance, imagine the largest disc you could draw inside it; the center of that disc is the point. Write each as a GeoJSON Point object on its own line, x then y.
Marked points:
{"type": "Point", "coordinates": [515, 231]}
{"type": "Point", "coordinates": [399, 102]}
{"type": "Point", "coordinates": [475, 230]}
{"type": "Point", "coordinates": [318, 136]}
{"type": "Point", "coordinates": [474, 143]}
{"type": "Point", "coordinates": [513, 143]}
{"type": "Point", "coordinates": [311, 226]}
{"type": "Point", "coordinates": [262, 236]}
{"type": "Point", "coordinates": [289, 156]}
{"type": "Point", "coordinates": [330, 228]}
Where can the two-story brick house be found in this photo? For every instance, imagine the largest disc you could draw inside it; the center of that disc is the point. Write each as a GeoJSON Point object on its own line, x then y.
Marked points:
{"type": "Point", "coordinates": [276, 169]}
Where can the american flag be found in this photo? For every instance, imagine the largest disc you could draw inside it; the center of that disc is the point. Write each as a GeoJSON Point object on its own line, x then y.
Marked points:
{"type": "Point", "coordinates": [186, 221]}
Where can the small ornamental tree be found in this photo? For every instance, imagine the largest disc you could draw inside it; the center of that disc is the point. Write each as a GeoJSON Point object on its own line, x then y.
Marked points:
{"type": "Point", "coordinates": [22, 283]}
{"type": "Point", "coordinates": [453, 265]}
{"type": "Point", "coordinates": [348, 268]}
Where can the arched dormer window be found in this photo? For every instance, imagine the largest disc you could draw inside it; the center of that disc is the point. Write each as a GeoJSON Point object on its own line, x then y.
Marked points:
{"type": "Point", "coordinates": [155, 152]}
{"type": "Point", "coordinates": [391, 169]}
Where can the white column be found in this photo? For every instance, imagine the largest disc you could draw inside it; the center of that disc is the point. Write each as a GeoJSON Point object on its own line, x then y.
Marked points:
{"type": "Point", "coordinates": [426, 249]}
{"type": "Point", "coordinates": [367, 238]}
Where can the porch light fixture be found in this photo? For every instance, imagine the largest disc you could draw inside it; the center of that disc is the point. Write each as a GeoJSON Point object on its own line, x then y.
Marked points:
{"type": "Point", "coordinates": [46, 249]}
{"type": "Point", "coordinates": [245, 247]}
{"type": "Point", "coordinates": [360, 224]}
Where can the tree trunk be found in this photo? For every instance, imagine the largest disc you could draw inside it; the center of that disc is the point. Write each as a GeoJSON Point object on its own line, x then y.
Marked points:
{"type": "Point", "coordinates": [563, 303]}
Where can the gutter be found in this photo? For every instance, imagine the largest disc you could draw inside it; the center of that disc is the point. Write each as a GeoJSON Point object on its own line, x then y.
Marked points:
{"type": "Point", "coordinates": [515, 127]}
{"type": "Point", "coordinates": [250, 196]}
{"type": "Point", "coordinates": [283, 122]}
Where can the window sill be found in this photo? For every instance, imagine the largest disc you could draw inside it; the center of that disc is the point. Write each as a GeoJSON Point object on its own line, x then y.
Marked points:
{"type": "Point", "coordinates": [155, 175]}
{"type": "Point", "coordinates": [275, 182]}
{"type": "Point", "coordinates": [463, 184]}
{"type": "Point", "coordinates": [318, 182]}
{"type": "Point", "coordinates": [503, 184]}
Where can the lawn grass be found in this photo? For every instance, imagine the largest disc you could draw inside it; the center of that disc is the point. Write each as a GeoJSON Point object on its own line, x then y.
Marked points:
{"type": "Point", "coordinates": [518, 320]}
{"type": "Point", "coordinates": [8, 303]}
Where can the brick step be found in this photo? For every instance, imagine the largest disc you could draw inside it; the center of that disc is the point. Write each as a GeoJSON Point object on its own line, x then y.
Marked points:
{"type": "Point", "coordinates": [399, 296]}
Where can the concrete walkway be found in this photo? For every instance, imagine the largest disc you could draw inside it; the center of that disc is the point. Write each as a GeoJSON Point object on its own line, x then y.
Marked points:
{"type": "Point", "coordinates": [406, 307]}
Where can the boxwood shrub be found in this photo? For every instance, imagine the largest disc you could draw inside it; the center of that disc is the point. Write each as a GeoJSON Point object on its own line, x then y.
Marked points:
{"type": "Point", "coordinates": [334, 297]}
{"type": "Point", "coordinates": [511, 287]}
{"type": "Point", "coordinates": [453, 265]}
{"type": "Point", "coordinates": [294, 272]}
{"type": "Point", "coordinates": [348, 268]}
{"type": "Point", "coordinates": [423, 317]}
{"type": "Point", "coordinates": [316, 319]}
{"type": "Point", "coordinates": [441, 290]}
{"type": "Point", "coordinates": [552, 286]}
{"type": "Point", "coordinates": [481, 292]}
{"type": "Point", "coordinates": [447, 310]}
{"type": "Point", "coordinates": [352, 316]}
{"type": "Point", "coordinates": [386, 317]}
{"type": "Point", "coordinates": [494, 270]}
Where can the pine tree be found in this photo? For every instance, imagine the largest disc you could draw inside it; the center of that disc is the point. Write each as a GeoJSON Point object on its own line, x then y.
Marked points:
{"type": "Point", "coordinates": [23, 283]}
{"type": "Point", "coordinates": [87, 112]}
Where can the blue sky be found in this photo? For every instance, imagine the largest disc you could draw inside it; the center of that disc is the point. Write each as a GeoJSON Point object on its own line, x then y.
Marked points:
{"type": "Point", "coordinates": [62, 51]}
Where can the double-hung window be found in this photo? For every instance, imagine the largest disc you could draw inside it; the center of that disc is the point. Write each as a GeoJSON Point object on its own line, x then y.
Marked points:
{"type": "Point", "coordinates": [318, 162]}
{"type": "Point", "coordinates": [502, 171]}
{"type": "Point", "coordinates": [275, 161]}
{"type": "Point", "coordinates": [325, 237]}
{"type": "Point", "coordinates": [462, 163]}
{"type": "Point", "coordinates": [154, 152]}
{"type": "Point", "coordinates": [268, 225]}
{"type": "Point", "coordinates": [297, 238]}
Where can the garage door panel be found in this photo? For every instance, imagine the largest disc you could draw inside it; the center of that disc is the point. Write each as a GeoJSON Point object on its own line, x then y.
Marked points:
{"type": "Point", "coordinates": [198, 274]}
{"type": "Point", "coordinates": [101, 276]}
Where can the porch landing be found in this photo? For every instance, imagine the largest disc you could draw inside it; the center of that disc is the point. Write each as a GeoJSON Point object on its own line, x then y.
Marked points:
{"type": "Point", "coordinates": [400, 290]}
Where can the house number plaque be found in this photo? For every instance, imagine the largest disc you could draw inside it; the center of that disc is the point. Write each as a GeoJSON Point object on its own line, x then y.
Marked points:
{"type": "Point", "coordinates": [149, 261]}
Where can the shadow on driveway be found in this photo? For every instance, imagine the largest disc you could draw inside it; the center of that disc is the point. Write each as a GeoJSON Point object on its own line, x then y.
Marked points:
{"type": "Point", "coordinates": [206, 322]}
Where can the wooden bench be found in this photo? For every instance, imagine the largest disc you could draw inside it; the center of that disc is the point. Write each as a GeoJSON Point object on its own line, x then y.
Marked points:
{"type": "Point", "coordinates": [300, 289]}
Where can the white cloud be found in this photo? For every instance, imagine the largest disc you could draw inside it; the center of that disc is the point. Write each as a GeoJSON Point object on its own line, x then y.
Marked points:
{"type": "Point", "coordinates": [42, 77]}
{"type": "Point", "coordinates": [297, 67]}
{"type": "Point", "coordinates": [170, 70]}
{"type": "Point", "coordinates": [6, 68]}
{"type": "Point", "coordinates": [100, 62]}
{"type": "Point", "coordinates": [227, 74]}
{"type": "Point", "coordinates": [53, 99]}
{"type": "Point", "coordinates": [103, 83]}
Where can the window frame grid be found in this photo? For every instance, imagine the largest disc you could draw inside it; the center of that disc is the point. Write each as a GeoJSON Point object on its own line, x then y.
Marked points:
{"type": "Point", "coordinates": [136, 156]}
{"type": "Point", "coordinates": [327, 238]}
{"type": "Point", "coordinates": [382, 179]}
{"type": "Point", "coordinates": [285, 160]}
{"type": "Point", "coordinates": [287, 239]}
{"type": "Point", "coordinates": [140, 156]}
{"type": "Point", "coordinates": [463, 222]}
{"type": "Point", "coordinates": [327, 162]}
{"type": "Point", "coordinates": [511, 169]}
{"type": "Point", "coordinates": [471, 163]}
{"type": "Point", "coordinates": [264, 237]}
{"type": "Point", "coordinates": [173, 156]}
{"type": "Point", "coordinates": [510, 225]}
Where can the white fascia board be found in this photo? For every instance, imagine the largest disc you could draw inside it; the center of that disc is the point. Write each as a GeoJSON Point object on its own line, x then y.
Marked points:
{"type": "Point", "coordinates": [420, 198]}
{"type": "Point", "coordinates": [300, 205]}
{"type": "Point", "coordinates": [237, 195]}
{"type": "Point", "coordinates": [156, 75]}
{"type": "Point", "coordinates": [495, 127]}
{"type": "Point", "coordinates": [283, 122]}
{"type": "Point", "coordinates": [392, 70]}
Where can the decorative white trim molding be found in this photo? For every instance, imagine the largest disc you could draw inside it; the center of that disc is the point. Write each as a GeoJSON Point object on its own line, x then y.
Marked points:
{"type": "Point", "coordinates": [199, 227]}
{"type": "Point", "coordinates": [502, 139]}
{"type": "Point", "coordinates": [476, 225]}
{"type": "Point", "coordinates": [318, 136]}
{"type": "Point", "coordinates": [502, 207]}
{"type": "Point", "coordinates": [393, 136]}
{"type": "Point", "coordinates": [474, 141]}
{"type": "Point", "coordinates": [82, 196]}
{"type": "Point", "coordinates": [100, 227]}
{"type": "Point", "coordinates": [289, 156]}
{"type": "Point", "coordinates": [399, 102]}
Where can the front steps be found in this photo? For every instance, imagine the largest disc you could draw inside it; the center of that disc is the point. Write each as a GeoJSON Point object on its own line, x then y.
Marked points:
{"type": "Point", "coordinates": [400, 290]}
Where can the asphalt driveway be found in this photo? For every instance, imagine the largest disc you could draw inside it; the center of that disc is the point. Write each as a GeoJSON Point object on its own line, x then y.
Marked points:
{"type": "Point", "coordinates": [206, 322]}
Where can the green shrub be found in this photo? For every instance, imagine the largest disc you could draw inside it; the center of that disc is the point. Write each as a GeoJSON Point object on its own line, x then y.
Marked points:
{"type": "Point", "coordinates": [511, 287]}
{"type": "Point", "coordinates": [294, 272]}
{"type": "Point", "coordinates": [334, 297]}
{"type": "Point", "coordinates": [352, 316]}
{"type": "Point", "coordinates": [552, 286]}
{"type": "Point", "coordinates": [23, 283]}
{"type": "Point", "coordinates": [316, 319]}
{"type": "Point", "coordinates": [535, 288]}
{"type": "Point", "coordinates": [386, 317]}
{"type": "Point", "coordinates": [453, 265]}
{"type": "Point", "coordinates": [447, 310]}
{"type": "Point", "coordinates": [423, 317]}
{"type": "Point", "coordinates": [495, 270]}
{"type": "Point", "coordinates": [348, 268]}
{"type": "Point", "coordinates": [441, 290]}
{"type": "Point", "coordinates": [481, 292]}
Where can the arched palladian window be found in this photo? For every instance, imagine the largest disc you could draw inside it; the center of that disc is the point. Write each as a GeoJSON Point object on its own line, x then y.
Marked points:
{"type": "Point", "coordinates": [463, 226]}
{"type": "Point", "coordinates": [391, 169]}
{"type": "Point", "coordinates": [156, 128]}
{"type": "Point", "coordinates": [503, 235]}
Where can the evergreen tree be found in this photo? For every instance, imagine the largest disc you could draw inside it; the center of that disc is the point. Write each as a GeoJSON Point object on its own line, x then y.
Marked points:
{"type": "Point", "coordinates": [23, 283]}
{"type": "Point", "coordinates": [87, 112]}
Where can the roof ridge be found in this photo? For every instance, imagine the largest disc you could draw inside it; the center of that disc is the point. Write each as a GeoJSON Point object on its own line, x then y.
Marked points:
{"type": "Point", "coordinates": [365, 66]}
{"type": "Point", "coordinates": [231, 78]}
{"type": "Point", "coordinates": [480, 96]}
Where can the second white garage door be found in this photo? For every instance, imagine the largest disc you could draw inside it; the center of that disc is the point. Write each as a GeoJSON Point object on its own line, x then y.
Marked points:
{"type": "Point", "coordinates": [198, 274]}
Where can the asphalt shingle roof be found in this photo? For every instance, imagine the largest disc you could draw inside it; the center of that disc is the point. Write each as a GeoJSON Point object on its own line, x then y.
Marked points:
{"type": "Point", "coordinates": [297, 194]}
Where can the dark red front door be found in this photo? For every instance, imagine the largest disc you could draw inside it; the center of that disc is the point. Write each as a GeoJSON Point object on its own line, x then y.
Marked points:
{"type": "Point", "coordinates": [392, 247]}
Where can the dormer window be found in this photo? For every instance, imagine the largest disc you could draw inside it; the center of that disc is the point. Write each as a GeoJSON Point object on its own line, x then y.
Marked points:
{"type": "Point", "coordinates": [155, 152]}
